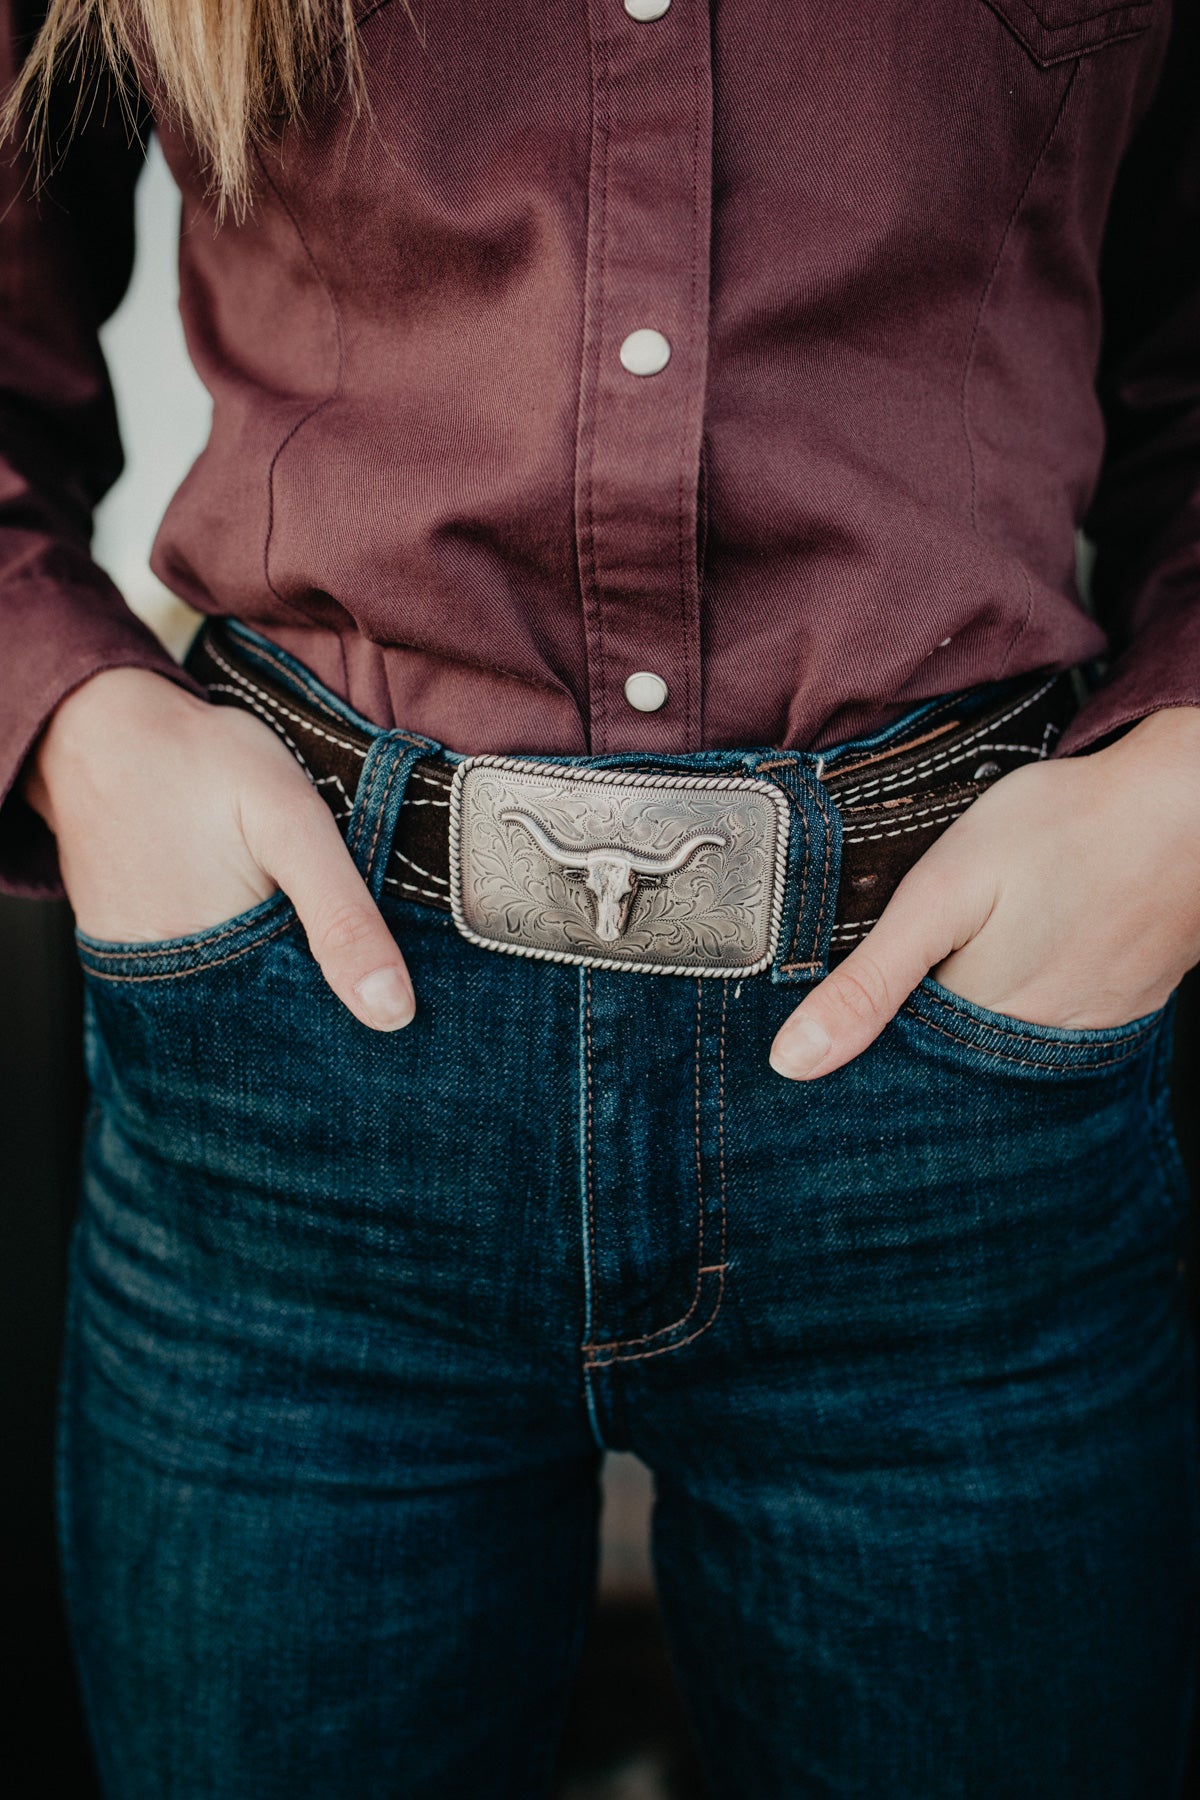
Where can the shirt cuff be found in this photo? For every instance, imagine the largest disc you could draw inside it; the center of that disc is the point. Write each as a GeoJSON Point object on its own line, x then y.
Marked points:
{"type": "Point", "coordinates": [53, 637]}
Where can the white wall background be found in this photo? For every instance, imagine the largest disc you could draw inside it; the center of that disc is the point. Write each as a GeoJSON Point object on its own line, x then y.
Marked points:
{"type": "Point", "coordinates": [163, 408]}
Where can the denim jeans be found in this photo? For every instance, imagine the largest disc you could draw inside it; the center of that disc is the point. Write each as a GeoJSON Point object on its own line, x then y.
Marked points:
{"type": "Point", "coordinates": [353, 1316]}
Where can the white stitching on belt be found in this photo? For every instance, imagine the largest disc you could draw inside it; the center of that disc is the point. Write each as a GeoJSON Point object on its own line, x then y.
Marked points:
{"type": "Point", "coordinates": [223, 687]}
{"type": "Point", "coordinates": [874, 837]}
{"type": "Point", "coordinates": [898, 781]}
{"type": "Point", "coordinates": [427, 873]}
{"type": "Point", "coordinates": [936, 761]}
{"type": "Point", "coordinates": [429, 893]}
{"type": "Point", "coordinates": [298, 718]}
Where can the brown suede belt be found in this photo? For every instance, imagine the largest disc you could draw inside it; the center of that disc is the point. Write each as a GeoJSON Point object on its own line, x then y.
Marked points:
{"type": "Point", "coordinates": [893, 800]}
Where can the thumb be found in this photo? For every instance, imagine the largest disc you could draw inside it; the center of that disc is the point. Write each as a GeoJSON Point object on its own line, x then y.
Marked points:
{"type": "Point", "coordinates": [295, 839]}
{"type": "Point", "coordinates": [920, 925]}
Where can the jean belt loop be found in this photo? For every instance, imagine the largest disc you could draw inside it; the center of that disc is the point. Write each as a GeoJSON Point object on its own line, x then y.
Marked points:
{"type": "Point", "coordinates": [377, 803]}
{"type": "Point", "coordinates": [814, 865]}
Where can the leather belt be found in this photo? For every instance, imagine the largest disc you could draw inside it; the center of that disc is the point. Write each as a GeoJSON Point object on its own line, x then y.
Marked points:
{"type": "Point", "coordinates": [894, 800]}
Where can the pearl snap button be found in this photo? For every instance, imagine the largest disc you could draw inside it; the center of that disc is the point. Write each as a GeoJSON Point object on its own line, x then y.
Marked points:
{"type": "Point", "coordinates": [645, 10]}
{"type": "Point", "coordinates": [645, 692]}
{"type": "Point", "coordinates": [645, 352]}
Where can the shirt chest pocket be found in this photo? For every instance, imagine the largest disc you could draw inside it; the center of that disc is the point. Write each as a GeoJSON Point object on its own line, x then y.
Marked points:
{"type": "Point", "coordinates": [1055, 31]}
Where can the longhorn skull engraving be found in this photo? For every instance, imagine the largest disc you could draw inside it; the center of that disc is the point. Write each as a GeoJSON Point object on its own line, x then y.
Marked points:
{"type": "Point", "coordinates": [611, 874]}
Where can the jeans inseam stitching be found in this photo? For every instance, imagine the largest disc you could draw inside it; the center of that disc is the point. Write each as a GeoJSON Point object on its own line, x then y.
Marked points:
{"type": "Point", "coordinates": [1028, 1062]}
{"type": "Point", "coordinates": [616, 1351]}
{"type": "Point", "coordinates": [196, 968]}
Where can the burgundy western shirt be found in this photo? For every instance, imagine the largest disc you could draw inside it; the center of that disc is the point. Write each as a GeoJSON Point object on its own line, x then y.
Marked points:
{"type": "Point", "coordinates": [774, 351]}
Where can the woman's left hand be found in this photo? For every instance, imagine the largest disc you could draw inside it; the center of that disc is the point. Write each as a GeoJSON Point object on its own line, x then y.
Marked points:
{"type": "Point", "coordinates": [1068, 894]}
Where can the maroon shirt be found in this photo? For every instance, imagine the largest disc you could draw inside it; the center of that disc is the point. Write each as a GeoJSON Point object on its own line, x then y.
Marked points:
{"type": "Point", "coordinates": [927, 279]}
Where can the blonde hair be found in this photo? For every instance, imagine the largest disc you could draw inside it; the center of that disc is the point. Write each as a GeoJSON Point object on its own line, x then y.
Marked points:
{"type": "Point", "coordinates": [231, 70]}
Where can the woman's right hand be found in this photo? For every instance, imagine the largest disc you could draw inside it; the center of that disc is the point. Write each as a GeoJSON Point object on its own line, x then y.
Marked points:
{"type": "Point", "coordinates": [172, 814]}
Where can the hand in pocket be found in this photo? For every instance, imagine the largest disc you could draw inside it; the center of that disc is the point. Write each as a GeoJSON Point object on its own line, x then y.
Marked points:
{"type": "Point", "coordinates": [172, 815]}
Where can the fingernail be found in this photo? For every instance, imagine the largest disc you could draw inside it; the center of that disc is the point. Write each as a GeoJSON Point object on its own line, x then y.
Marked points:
{"type": "Point", "coordinates": [387, 1000]}
{"type": "Point", "coordinates": [798, 1049]}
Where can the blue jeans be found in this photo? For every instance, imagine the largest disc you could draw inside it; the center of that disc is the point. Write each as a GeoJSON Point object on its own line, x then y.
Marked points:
{"type": "Point", "coordinates": [353, 1316]}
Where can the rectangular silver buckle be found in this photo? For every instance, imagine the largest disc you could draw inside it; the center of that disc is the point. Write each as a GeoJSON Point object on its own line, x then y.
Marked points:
{"type": "Point", "coordinates": [619, 869]}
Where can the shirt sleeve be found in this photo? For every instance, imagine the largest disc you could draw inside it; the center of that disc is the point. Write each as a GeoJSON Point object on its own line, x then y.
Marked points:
{"type": "Point", "coordinates": [1144, 517]}
{"type": "Point", "coordinates": [66, 254]}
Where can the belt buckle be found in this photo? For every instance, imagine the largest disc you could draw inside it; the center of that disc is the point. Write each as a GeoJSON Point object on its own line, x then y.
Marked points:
{"type": "Point", "coordinates": [618, 868]}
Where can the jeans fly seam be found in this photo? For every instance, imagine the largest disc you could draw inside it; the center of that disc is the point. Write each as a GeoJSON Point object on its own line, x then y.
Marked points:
{"type": "Point", "coordinates": [585, 1133]}
{"type": "Point", "coordinates": [620, 1350]}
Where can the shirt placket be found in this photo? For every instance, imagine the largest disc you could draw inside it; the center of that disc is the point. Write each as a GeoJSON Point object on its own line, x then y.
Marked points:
{"type": "Point", "coordinates": [645, 351]}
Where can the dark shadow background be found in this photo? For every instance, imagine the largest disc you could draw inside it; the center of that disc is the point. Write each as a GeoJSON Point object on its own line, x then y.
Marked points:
{"type": "Point", "coordinates": [626, 1711]}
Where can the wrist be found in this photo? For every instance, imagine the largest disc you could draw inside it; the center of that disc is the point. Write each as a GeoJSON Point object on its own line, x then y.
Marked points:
{"type": "Point", "coordinates": [81, 728]}
{"type": "Point", "coordinates": [1167, 738]}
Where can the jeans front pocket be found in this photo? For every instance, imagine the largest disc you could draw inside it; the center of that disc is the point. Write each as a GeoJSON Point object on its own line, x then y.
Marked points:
{"type": "Point", "coordinates": [168, 959]}
{"type": "Point", "coordinates": [987, 1037]}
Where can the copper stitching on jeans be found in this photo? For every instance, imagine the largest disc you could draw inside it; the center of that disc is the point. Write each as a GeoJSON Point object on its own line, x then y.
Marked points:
{"type": "Point", "coordinates": [790, 964]}
{"type": "Point", "coordinates": [1028, 1062]}
{"type": "Point", "coordinates": [185, 939]}
{"type": "Point", "coordinates": [395, 770]}
{"type": "Point", "coordinates": [197, 968]}
{"type": "Point", "coordinates": [665, 1349]}
{"type": "Point", "coordinates": [1023, 1036]}
{"type": "Point", "coordinates": [591, 1214]}
{"type": "Point", "coordinates": [617, 1347]}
